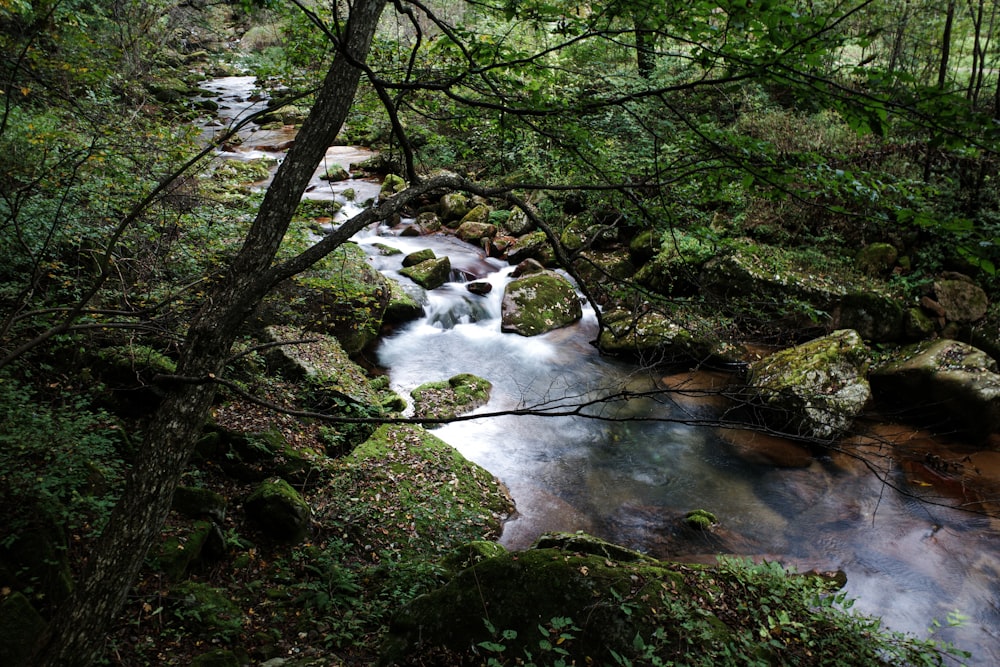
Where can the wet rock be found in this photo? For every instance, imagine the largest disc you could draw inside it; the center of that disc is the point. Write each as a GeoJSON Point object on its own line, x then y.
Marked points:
{"type": "Point", "coordinates": [961, 300]}
{"type": "Point", "coordinates": [475, 232]}
{"type": "Point", "coordinates": [280, 511]}
{"type": "Point", "coordinates": [944, 379]}
{"type": "Point", "coordinates": [480, 287]}
{"type": "Point", "coordinates": [539, 302]}
{"type": "Point", "coordinates": [761, 448]}
{"type": "Point", "coordinates": [459, 394]}
{"type": "Point", "coordinates": [429, 274]}
{"type": "Point", "coordinates": [419, 256]}
{"type": "Point", "coordinates": [478, 213]}
{"type": "Point", "coordinates": [335, 173]}
{"type": "Point", "coordinates": [813, 390]}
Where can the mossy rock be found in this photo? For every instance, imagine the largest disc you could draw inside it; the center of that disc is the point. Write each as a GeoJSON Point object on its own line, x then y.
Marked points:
{"type": "Point", "coordinates": [183, 550]}
{"type": "Point", "coordinates": [457, 395]}
{"type": "Point", "coordinates": [391, 185]}
{"type": "Point", "coordinates": [335, 173]}
{"type": "Point", "coordinates": [582, 233]}
{"type": "Point", "coordinates": [418, 257]}
{"type": "Point", "coordinates": [676, 267]}
{"type": "Point", "coordinates": [479, 213]}
{"type": "Point", "coordinates": [653, 337]}
{"type": "Point", "coordinates": [280, 511]}
{"type": "Point", "coordinates": [943, 379]}
{"type": "Point", "coordinates": [534, 245]}
{"type": "Point", "coordinates": [877, 259]}
{"type": "Point", "coordinates": [197, 503]}
{"type": "Point", "coordinates": [453, 207]}
{"type": "Point", "coordinates": [404, 471]}
{"type": "Point", "coordinates": [474, 232]}
{"type": "Point", "coordinates": [342, 295]}
{"type": "Point", "coordinates": [471, 553]}
{"type": "Point", "coordinates": [540, 588]}
{"type": "Point", "coordinates": [813, 390]}
{"type": "Point", "coordinates": [20, 628]}
{"type": "Point", "coordinates": [207, 611]}
{"type": "Point", "coordinates": [429, 274]}
{"type": "Point", "coordinates": [539, 302]}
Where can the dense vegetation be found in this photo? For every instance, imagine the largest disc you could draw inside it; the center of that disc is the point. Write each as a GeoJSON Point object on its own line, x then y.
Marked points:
{"type": "Point", "coordinates": [821, 127]}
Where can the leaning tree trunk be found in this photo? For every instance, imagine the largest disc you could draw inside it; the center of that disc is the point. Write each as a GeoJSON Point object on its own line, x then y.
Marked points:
{"type": "Point", "coordinates": [76, 633]}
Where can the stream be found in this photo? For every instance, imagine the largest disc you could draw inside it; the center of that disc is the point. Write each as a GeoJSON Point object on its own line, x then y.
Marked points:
{"type": "Point", "coordinates": [628, 481]}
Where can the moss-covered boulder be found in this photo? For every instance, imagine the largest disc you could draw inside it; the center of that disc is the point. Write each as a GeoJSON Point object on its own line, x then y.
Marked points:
{"type": "Point", "coordinates": [413, 494]}
{"type": "Point", "coordinates": [584, 232]}
{"type": "Point", "coordinates": [943, 379]}
{"type": "Point", "coordinates": [517, 223]}
{"type": "Point", "coordinates": [534, 245]}
{"type": "Point", "coordinates": [418, 257]}
{"type": "Point", "coordinates": [185, 549]}
{"type": "Point", "coordinates": [653, 337]}
{"type": "Point", "coordinates": [20, 627]}
{"type": "Point", "coordinates": [335, 173]}
{"type": "Point", "coordinates": [676, 267]}
{"type": "Point", "coordinates": [392, 184]}
{"type": "Point", "coordinates": [280, 511]}
{"type": "Point", "coordinates": [429, 274]}
{"type": "Point", "coordinates": [876, 259]}
{"type": "Point", "coordinates": [342, 295]}
{"type": "Point", "coordinates": [320, 362]}
{"type": "Point", "coordinates": [575, 599]}
{"type": "Point", "coordinates": [450, 398]}
{"type": "Point", "coordinates": [803, 288]}
{"type": "Point", "coordinates": [539, 302]}
{"type": "Point", "coordinates": [478, 213]}
{"type": "Point", "coordinates": [453, 207]}
{"type": "Point", "coordinates": [219, 657]}
{"type": "Point", "coordinates": [813, 390]}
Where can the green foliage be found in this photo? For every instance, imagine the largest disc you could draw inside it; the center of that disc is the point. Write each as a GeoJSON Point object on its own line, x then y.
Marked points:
{"type": "Point", "coordinates": [58, 459]}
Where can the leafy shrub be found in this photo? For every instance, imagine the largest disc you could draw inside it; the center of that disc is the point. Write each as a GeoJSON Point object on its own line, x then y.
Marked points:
{"type": "Point", "coordinates": [59, 461]}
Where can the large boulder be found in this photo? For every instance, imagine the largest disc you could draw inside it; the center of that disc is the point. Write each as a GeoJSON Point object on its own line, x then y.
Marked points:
{"type": "Point", "coordinates": [575, 599]}
{"type": "Point", "coordinates": [280, 511]}
{"type": "Point", "coordinates": [800, 287]}
{"type": "Point", "coordinates": [943, 379]}
{"type": "Point", "coordinates": [961, 300]}
{"type": "Point", "coordinates": [653, 337]}
{"type": "Point", "coordinates": [814, 390]}
{"type": "Point", "coordinates": [539, 302]}
{"type": "Point", "coordinates": [342, 295]}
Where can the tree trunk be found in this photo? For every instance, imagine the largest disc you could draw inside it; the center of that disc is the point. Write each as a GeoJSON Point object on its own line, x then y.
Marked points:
{"type": "Point", "coordinates": [76, 633]}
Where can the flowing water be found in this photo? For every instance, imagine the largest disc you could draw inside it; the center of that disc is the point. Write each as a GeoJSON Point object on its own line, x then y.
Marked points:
{"type": "Point", "coordinates": [906, 561]}
{"type": "Point", "coordinates": [629, 481]}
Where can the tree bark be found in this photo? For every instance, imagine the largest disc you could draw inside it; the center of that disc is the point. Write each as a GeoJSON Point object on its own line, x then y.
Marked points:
{"type": "Point", "coordinates": [76, 633]}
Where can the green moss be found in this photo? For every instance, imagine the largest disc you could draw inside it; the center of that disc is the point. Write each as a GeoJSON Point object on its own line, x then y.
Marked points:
{"type": "Point", "coordinates": [450, 398]}
{"type": "Point", "coordinates": [700, 519]}
{"type": "Point", "coordinates": [207, 611]}
{"type": "Point", "coordinates": [423, 496]}
{"type": "Point", "coordinates": [539, 302]}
